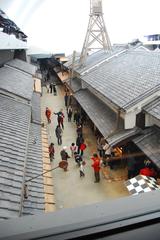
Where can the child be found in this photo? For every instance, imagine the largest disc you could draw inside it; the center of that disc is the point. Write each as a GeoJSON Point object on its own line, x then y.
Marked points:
{"type": "Point", "coordinates": [73, 149]}
{"type": "Point", "coordinates": [81, 169]}
{"type": "Point", "coordinates": [78, 159]}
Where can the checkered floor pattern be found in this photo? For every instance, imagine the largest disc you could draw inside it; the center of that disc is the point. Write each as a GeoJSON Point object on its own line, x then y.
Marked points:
{"type": "Point", "coordinates": [141, 184]}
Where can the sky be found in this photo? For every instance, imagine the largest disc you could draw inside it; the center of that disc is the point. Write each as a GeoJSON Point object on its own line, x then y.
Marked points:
{"type": "Point", "coordinates": [59, 26]}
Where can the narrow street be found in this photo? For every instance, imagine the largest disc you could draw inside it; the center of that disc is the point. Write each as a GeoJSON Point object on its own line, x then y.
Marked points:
{"type": "Point", "coordinates": [71, 190]}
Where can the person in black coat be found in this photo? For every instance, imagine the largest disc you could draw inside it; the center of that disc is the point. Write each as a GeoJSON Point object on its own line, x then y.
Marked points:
{"type": "Point", "coordinates": [64, 156]}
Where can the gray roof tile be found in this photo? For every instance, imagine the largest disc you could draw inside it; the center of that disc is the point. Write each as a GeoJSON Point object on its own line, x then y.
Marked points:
{"type": "Point", "coordinates": [75, 84]}
{"type": "Point", "coordinates": [128, 78]}
{"type": "Point", "coordinates": [102, 116]}
{"type": "Point", "coordinates": [149, 143]}
{"type": "Point", "coordinates": [22, 65]}
{"type": "Point", "coordinates": [32, 171]}
{"type": "Point", "coordinates": [153, 108]}
{"type": "Point", "coordinates": [95, 58]}
{"type": "Point", "coordinates": [16, 82]}
{"type": "Point", "coordinates": [11, 156]}
{"type": "Point", "coordinates": [36, 108]}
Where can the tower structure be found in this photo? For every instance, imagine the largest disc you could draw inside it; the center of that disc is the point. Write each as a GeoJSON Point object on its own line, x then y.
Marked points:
{"type": "Point", "coordinates": [96, 36]}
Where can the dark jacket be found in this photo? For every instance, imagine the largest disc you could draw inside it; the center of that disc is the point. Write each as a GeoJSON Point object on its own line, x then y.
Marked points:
{"type": "Point", "coordinates": [64, 155]}
{"type": "Point", "coordinates": [58, 132]}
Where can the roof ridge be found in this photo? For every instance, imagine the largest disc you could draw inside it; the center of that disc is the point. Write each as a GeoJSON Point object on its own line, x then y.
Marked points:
{"type": "Point", "coordinates": [103, 61]}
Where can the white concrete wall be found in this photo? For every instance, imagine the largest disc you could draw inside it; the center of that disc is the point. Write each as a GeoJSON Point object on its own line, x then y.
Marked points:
{"type": "Point", "coordinates": [130, 120]}
{"type": "Point", "coordinates": [11, 42]}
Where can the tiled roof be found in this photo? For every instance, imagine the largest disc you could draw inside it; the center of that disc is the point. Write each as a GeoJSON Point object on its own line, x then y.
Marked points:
{"type": "Point", "coordinates": [22, 65]}
{"type": "Point", "coordinates": [14, 130]}
{"type": "Point", "coordinates": [103, 117]}
{"type": "Point", "coordinates": [149, 143]}
{"type": "Point", "coordinates": [35, 201]}
{"type": "Point", "coordinates": [95, 58]}
{"type": "Point", "coordinates": [128, 78]}
{"type": "Point", "coordinates": [75, 84]}
{"type": "Point", "coordinates": [36, 108]}
{"type": "Point", "coordinates": [16, 82]}
{"type": "Point", "coordinates": [153, 108]}
{"type": "Point", "coordinates": [122, 136]}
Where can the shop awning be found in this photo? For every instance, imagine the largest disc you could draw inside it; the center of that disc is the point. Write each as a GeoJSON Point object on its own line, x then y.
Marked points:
{"type": "Point", "coordinates": [63, 76]}
{"type": "Point", "coordinates": [149, 143]}
{"type": "Point", "coordinates": [123, 136]}
{"type": "Point", "coordinates": [141, 184]}
{"type": "Point", "coordinates": [103, 117]}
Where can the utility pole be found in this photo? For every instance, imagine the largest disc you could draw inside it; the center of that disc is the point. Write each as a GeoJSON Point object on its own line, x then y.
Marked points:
{"type": "Point", "coordinates": [96, 36]}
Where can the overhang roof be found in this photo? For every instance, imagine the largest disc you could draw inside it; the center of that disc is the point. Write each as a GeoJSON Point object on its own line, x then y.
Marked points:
{"type": "Point", "coordinates": [14, 130]}
{"type": "Point", "coordinates": [16, 82]}
{"type": "Point", "coordinates": [149, 143]}
{"type": "Point", "coordinates": [128, 78]}
{"type": "Point", "coordinates": [153, 108]}
{"type": "Point", "coordinates": [123, 135]}
{"type": "Point", "coordinates": [74, 84]}
{"type": "Point", "coordinates": [22, 66]}
{"type": "Point", "coordinates": [102, 116]}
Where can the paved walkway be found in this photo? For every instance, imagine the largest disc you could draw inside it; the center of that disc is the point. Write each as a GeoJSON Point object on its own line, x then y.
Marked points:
{"type": "Point", "coordinates": [71, 190]}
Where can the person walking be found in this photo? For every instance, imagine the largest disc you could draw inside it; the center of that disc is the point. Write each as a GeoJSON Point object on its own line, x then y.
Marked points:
{"type": "Point", "coordinates": [66, 99]}
{"type": "Point", "coordinates": [81, 169]}
{"type": "Point", "coordinates": [96, 167]}
{"type": "Point", "coordinates": [69, 113]}
{"type": "Point", "coordinates": [51, 151]}
{"type": "Point", "coordinates": [79, 140]}
{"type": "Point", "coordinates": [60, 118]}
{"type": "Point", "coordinates": [82, 148]}
{"type": "Point", "coordinates": [78, 158]}
{"type": "Point", "coordinates": [48, 114]}
{"type": "Point", "coordinates": [58, 132]}
{"type": "Point", "coordinates": [51, 87]}
{"type": "Point", "coordinates": [73, 149]}
{"type": "Point", "coordinates": [54, 89]}
{"type": "Point", "coordinates": [64, 157]}
{"type": "Point", "coordinates": [79, 130]}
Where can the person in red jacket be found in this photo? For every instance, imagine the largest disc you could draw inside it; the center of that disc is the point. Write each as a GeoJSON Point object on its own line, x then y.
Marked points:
{"type": "Point", "coordinates": [48, 114]}
{"type": "Point", "coordinates": [82, 148]}
{"type": "Point", "coordinates": [148, 171]}
{"type": "Point", "coordinates": [96, 167]}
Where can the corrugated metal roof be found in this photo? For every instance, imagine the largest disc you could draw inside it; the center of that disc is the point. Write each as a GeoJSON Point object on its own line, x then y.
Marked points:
{"type": "Point", "coordinates": [153, 108]}
{"type": "Point", "coordinates": [36, 108]}
{"type": "Point", "coordinates": [128, 78]}
{"type": "Point", "coordinates": [14, 130]}
{"type": "Point", "coordinates": [16, 82]}
{"type": "Point", "coordinates": [35, 201]}
{"type": "Point", "coordinates": [22, 65]}
{"type": "Point", "coordinates": [102, 116]}
{"type": "Point", "coordinates": [149, 143]}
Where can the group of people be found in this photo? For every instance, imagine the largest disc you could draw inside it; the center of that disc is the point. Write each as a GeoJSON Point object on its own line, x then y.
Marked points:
{"type": "Point", "coordinates": [76, 149]}
{"type": "Point", "coordinates": [51, 88]}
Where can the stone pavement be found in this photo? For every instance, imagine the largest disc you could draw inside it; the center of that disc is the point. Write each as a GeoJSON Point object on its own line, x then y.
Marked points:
{"type": "Point", "coordinates": [71, 190]}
